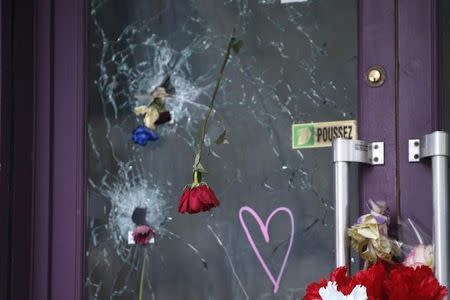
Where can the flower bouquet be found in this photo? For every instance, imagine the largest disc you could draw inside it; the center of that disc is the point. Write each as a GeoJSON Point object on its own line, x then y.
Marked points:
{"type": "Point", "coordinates": [380, 281]}
{"type": "Point", "coordinates": [386, 276]}
{"type": "Point", "coordinates": [154, 112]}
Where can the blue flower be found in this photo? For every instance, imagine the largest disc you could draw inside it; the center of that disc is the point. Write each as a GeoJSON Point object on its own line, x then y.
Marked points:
{"type": "Point", "coordinates": [141, 135]}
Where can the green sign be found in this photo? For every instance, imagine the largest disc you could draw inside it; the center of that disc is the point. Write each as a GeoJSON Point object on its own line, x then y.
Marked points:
{"type": "Point", "coordinates": [315, 135]}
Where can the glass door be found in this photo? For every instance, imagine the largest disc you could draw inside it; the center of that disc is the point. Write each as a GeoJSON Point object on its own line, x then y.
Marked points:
{"type": "Point", "coordinates": [153, 68]}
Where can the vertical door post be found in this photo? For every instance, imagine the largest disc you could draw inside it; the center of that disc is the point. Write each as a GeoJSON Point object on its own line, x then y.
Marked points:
{"type": "Point", "coordinates": [344, 152]}
{"type": "Point", "coordinates": [436, 146]}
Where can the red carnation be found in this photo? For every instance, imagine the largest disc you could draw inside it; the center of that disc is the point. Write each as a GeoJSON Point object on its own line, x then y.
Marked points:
{"type": "Point", "coordinates": [406, 283]}
{"type": "Point", "coordinates": [312, 290]}
{"type": "Point", "coordinates": [371, 278]}
{"type": "Point", "coordinates": [143, 234]}
{"type": "Point", "coordinates": [339, 275]}
{"type": "Point", "coordinates": [197, 197]}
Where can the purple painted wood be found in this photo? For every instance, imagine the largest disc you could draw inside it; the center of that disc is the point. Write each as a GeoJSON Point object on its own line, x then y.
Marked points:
{"type": "Point", "coordinates": [42, 153]}
{"type": "Point", "coordinates": [21, 175]}
{"type": "Point", "coordinates": [376, 113]}
{"type": "Point", "coordinates": [59, 194]}
{"type": "Point", "coordinates": [5, 145]}
{"type": "Point", "coordinates": [69, 70]}
{"type": "Point", "coordinates": [418, 102]}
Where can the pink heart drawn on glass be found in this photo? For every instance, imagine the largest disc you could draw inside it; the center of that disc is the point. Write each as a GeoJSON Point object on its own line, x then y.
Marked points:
{"type": "Point", "coordinates": [264, 227]}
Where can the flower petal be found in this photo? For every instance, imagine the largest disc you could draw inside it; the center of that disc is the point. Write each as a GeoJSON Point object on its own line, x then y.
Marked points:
{"type": "Point", "coordinates": [184, 201]}
{"type": "Point", "coordinates": [142, 234]}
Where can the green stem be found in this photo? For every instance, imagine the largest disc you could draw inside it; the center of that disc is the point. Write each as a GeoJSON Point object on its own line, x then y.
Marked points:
{"type": "Point", "coordinates": [214, 96]}
{"type": "Point", "coordinates": [197, 178]}
{"type": "Point", "coordinates": [141, 283]}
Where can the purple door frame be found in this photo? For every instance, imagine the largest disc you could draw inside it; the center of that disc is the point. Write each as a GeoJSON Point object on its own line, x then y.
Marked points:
{"type": "Point", "coordinates": [398, 35]}
{"type": "Point", "coordinates": [16, 172]}
{"type": "Point", "coordinates": [376, 105]}
{"type": "Point", "coordinates": [42, 120]}
{"type": "Point", "coordinates": [59, 183]}
{"type": "Point", "coordinates": [418, 103]}
{"type": "Point", "coordinates": [5, 149]}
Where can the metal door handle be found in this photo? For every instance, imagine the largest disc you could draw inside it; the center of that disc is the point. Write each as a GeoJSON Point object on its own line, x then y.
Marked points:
{"type": "Point", "coordinates": [344, 152]}
{"type": "Point", "coordinates": [435, 145]}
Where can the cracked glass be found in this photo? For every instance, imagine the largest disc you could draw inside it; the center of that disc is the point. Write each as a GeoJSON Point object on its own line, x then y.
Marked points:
{"type": "Point", "coordinates": [273, 232]}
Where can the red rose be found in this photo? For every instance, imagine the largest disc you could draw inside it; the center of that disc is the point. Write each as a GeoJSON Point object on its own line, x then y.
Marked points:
{"type": "Point", "coordinates": [406, 283]}
{"type": "Point", "coordinates": [143, 234]}
{"type": "Point", "coordinates": [197, 199]}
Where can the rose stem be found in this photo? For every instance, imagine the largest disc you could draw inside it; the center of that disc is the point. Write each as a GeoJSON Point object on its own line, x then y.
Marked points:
{"type": "Point", "coordinates": [141, 284]}
{"type": "Point", "coordinates": [214, 96]}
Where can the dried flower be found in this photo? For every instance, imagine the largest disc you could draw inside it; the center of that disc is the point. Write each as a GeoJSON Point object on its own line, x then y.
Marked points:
{"type": "Point", "coordinates": [421, 255]}
{"type": "Point", "coordinates": [369, 236]}
{"type": "Point", "coordinates": [197, 197]}
{"type": "Point", "coordinates": [143, 234]}
{"type": "Point", "coordinates": [141, 135]}
{"type": "Point", "coordinates": [152, 111]}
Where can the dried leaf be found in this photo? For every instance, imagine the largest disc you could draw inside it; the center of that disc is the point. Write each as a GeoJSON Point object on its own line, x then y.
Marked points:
{"type": "Point", "coordinates": [197, 165]}
{"type": "Point", "coordinates": [141, 110]}
{"type": "Point", "coordinates": [196, 159]}
{"type": "Point", "coordinates": [237, 45]}
{"type": "Point", "coordinates": [222, 138]}
{"type": "Point", "coordinates": [151, 117]}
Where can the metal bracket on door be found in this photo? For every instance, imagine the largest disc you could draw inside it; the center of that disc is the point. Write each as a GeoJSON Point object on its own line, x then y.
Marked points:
{"type": "Point", "coordinates": [436, 146]}
{"type": "Point", "coordinates": [344, 152]}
